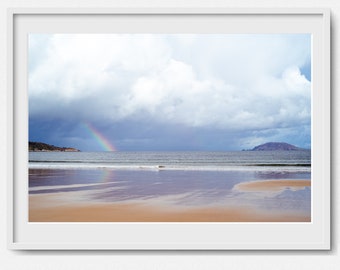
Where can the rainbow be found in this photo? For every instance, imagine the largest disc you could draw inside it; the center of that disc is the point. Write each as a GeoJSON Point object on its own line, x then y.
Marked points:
{"type": "Point", "coordinates": [101, 140]}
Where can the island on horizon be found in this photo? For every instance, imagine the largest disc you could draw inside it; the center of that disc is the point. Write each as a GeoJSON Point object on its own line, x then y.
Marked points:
{"type": "Point", "coordinates": [276, 146]}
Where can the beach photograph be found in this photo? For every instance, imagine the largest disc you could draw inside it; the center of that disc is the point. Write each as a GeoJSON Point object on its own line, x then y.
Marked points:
{"type": "Point", "coordinates": [169, 127]}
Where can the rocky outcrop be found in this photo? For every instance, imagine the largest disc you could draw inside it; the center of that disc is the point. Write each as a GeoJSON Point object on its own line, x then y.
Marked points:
{"type": "Point", "coordinates": [44, 147]}
{"type": "Point", "coordinates": [276, 146]}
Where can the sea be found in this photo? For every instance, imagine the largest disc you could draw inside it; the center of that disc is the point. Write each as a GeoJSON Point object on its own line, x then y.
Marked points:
{"type": "Point", "coordinates": [203, 161]}
{"type": "Point", "coordinates": [173, 178]}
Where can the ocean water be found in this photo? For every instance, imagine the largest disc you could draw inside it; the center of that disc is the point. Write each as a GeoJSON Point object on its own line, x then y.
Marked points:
{"type": "Point", "coordinates": [214, 161]}
{"type": "Point", "coordinates": [173, 178]}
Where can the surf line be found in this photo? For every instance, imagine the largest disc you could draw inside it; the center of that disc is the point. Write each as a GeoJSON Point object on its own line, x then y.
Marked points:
{"type": "Point", "coordinates": [99, 137]}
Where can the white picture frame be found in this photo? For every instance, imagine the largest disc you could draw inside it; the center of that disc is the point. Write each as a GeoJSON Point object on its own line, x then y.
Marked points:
{"type": "Point", "coordinates": [314, 235]}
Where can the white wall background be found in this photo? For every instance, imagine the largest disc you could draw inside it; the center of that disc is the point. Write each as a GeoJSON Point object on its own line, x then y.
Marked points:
{"type": "Point", "coordinates": [289, 260]}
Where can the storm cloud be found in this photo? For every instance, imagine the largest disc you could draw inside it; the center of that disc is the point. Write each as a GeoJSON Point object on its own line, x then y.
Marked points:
{"type": "Point", "coordinates": [158, 92]}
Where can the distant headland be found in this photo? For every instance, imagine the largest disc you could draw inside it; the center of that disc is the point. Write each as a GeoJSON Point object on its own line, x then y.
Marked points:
{"type": "Point", "coordinates": [276, 146]}
{"type": "Point", "coordinates": [44, 147]}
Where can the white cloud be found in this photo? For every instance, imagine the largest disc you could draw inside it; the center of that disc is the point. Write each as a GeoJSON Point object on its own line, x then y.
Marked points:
{"type": "Point", "coordinates": [232, 82]}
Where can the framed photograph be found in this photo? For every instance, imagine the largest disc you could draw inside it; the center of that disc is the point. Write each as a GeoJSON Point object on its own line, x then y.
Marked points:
{"type": "Point", "coordinates": [169, 129]}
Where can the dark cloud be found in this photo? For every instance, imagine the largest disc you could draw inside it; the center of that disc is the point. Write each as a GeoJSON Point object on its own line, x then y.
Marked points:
{"type": "Point", "coordinates": [170, 92]}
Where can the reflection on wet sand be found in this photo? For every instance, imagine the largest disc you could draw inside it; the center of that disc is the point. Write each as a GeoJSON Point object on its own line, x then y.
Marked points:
{"type": "Point", "coordinates": [166, 196]}
{"type": "Point", "coordinates": [74, 206]}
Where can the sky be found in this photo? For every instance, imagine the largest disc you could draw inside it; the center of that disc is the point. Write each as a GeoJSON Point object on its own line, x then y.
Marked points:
{"type": "Point", "coordinates": [178, 92]}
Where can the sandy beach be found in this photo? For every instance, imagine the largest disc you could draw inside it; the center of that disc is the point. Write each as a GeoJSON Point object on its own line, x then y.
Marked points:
{"type": "Point", "coordinates": [52, 208]}
{"type": "Point", "coordinates": [134, 213]}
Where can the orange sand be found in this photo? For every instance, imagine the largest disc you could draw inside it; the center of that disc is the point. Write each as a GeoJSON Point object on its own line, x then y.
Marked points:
{"type": "Point", "coordinates": [273, 185]}
{"type": "Point", "coordinates": [133, 213]}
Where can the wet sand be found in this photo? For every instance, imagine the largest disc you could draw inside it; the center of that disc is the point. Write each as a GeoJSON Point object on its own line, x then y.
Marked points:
{"type": "Point", "coordinates": [53, 208]}
{"type": "Point", "coordinates": [275, 185]}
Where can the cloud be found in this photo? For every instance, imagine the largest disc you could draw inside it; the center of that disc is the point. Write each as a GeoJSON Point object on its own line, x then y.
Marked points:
{"type": "Point", "coordinates": [235, 83]}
